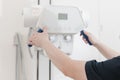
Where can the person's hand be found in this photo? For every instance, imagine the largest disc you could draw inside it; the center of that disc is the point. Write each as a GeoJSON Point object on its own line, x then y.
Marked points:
{"type": "Point", "coordinates": [91, 38]}
{"type": "Point", "coordinates": [39, 39]}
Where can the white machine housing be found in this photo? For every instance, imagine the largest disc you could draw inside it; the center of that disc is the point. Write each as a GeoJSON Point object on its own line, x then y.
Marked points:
{"type": "Point", "coordinates": [58, 19]}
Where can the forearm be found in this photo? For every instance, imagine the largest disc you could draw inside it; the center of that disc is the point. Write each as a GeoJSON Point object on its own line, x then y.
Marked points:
{"type": "Point", "coordinates": [106, 51]}
{"type": "Point", "coordinates": [60, 59]}
{"type": "Point", "coordinates": [71, 68]}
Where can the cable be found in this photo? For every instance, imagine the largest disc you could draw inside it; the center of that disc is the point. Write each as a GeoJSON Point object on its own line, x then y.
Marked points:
{"type": "Point", "coordinates": [50, 2]}
{"type": "Point", "coordinates": [49, 69]}
{"type": "Point", "coordinates": [38, 2]}
{"type": "Point", "coordinates": [38, 64]}
{"type": "Point", "coordinates": [19, 58]}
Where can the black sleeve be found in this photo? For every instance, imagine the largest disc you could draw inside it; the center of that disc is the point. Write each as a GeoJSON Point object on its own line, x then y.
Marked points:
{"type": "Point", "coordinates": [106, 70]}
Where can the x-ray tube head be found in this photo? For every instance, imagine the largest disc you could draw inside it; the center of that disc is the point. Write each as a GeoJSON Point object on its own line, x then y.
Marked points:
{"type": "Point", "coordinates": [58, 19]}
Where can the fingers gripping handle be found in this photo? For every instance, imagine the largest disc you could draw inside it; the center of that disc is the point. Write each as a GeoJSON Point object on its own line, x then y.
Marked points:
{"type": "Point", "coordinates": [40, 31]}
{"type": "Point", "coordinates": [85, 37]}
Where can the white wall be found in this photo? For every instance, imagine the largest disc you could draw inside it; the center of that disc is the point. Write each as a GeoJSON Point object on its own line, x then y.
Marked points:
{"type": "Point", "coordinates": [110, 23]}
{"type": "Point", "coordinates": [0, 7]}
{"type": "Point", "coordinates": [10, 22]}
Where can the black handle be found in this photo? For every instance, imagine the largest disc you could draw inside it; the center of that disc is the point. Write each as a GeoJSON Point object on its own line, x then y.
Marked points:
{"type": "Point", "coordinates": [40, 31]}
{"type": "Point", "coordinates": [86, 37]}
